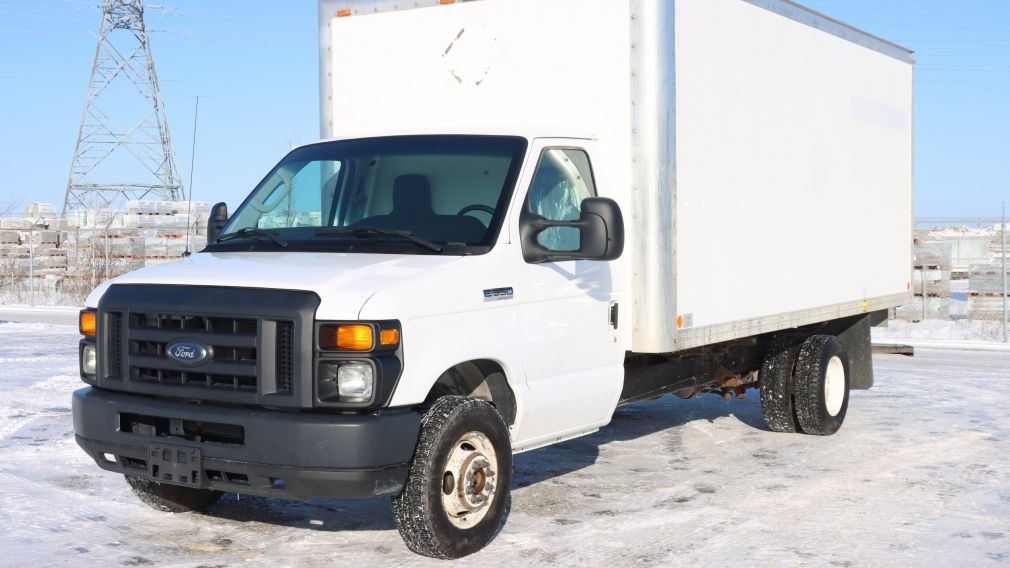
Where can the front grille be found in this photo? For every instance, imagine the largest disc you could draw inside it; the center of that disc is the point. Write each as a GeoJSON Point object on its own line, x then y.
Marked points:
{"type": "Point", "coordinates": [231, 342]}
{"type": "Point", "coordinates": [257, 342]}
{"type": "Point", "coordinates": [193, 323]}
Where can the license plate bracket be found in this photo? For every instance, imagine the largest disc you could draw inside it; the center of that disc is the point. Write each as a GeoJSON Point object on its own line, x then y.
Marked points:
{"type": "Point", "coordinates": [176, 465]}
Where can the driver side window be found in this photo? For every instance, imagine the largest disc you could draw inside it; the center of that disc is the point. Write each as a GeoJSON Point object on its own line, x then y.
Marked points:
{"type": "Point", "coordinates": [563, 178]}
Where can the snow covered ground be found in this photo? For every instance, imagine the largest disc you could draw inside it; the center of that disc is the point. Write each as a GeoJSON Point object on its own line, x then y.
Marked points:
{"type": "Point", "coordinates": [919, 475]}
{"type": "Point", "coordinates": [39, 314]}
{"type": "Point", "coordinates": [960, 334]}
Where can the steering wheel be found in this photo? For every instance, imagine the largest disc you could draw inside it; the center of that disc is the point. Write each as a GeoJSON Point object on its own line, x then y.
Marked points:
{"type": "Point", "coordinates": [476, 207]}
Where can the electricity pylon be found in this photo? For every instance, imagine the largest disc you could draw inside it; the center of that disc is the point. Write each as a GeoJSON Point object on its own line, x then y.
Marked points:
{"type": "Point", "coordinates": [139, 158]}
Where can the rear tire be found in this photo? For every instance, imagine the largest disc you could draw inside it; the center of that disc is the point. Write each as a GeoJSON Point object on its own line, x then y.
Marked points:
{"type": "Point", "coordinates": [776, 378]}
{"type": "Point", "coordinates": [457, 492]}
{"type": "Point", "coordinates": [821, 389]}
{"type": "Point", "coordinates": [172, 498]}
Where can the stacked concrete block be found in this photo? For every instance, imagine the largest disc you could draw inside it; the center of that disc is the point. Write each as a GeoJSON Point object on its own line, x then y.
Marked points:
{"type": "Point", "coordinates": [14, 251]}
{"type": "Point", "coordinates": [931, 281]}
{"type": "Point", "coordinates": [285, 220]}
{"type": "Point", "coordinates": [986, 279]}
{"type": "Point", "coordinates": [45, 238]}
{"type": "Point", "coordinates": [967, 248]}
{"type": "Point", "coordinates": [986, 308]}
{"type": "Point", "coordinates": [73, 255]}
{"type": "Point", "coordinates": [77, 218]}
{"type": "Point", "coordinates": [985, 291]}
{"type": "Point", "coordinates": [996, 245]}
{"type": "Point", "coordinates": [934, 309]}
{"type": "Point", "coordinates": [34, 211]}
{"type": "Point", "coordinates": [932, 253]}
{"type": "Point", "coordinates": [932, 262]}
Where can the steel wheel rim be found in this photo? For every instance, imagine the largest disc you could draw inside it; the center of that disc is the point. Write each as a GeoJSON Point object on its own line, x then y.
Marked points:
{"type": "Point", "coordinates": [469, 480]}
{"type": "Point", "coordinates": [834, 386]}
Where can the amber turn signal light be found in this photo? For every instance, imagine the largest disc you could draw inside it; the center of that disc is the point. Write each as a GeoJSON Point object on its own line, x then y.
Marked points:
{"type": "Point", "coordinates": [88, 323]}
{"type": "Point", "coordinates": [389, 337]}
{"type": "Point", "coordinates": [349, 337]}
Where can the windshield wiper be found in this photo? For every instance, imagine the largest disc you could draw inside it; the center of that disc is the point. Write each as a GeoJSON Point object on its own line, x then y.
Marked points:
{"type": "Point", "coordinates": [251, 232]}
{"type": "Point", "coordinates": [366, 232]}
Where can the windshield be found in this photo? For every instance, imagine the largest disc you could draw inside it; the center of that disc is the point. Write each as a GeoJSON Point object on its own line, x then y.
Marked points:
{"type": "Point", "coordinates": [406, 194]}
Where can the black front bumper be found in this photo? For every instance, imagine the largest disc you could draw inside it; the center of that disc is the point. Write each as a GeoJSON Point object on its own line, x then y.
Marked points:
{"type": "Point", "coordinates": [293, 455]}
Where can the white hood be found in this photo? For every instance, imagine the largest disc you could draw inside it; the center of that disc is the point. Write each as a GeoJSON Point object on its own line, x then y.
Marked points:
{"type": "Point", "coordinates": [344, 281]}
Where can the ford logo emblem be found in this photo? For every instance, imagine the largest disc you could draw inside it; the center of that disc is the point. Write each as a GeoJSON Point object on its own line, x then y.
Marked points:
{"type": "Point", "coordinates": [187, 352]}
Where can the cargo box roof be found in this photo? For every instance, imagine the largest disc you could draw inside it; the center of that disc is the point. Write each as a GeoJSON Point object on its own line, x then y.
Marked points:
{"type": "Point", "coordinates": [786, 8]}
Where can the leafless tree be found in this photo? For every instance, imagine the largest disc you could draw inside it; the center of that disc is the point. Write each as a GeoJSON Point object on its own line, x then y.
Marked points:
{"type": "Point", "coordinates": [10, 205]}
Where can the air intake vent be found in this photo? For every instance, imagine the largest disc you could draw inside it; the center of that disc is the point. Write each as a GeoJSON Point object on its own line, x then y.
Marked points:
{"type": "Point", "coordinates": [115, 322]}
{"type": "Point", "coordinates": [285, 355]}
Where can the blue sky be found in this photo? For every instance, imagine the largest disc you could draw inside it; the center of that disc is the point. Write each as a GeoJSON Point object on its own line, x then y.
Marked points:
{"type": "Point", "coordinates": [255, 66]}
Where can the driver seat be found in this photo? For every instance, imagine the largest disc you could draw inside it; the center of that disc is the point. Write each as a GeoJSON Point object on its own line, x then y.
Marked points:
{"type": "Point", "coordinates": [412, 197]}
{"type": "Point", "coordinates": [413, 211]}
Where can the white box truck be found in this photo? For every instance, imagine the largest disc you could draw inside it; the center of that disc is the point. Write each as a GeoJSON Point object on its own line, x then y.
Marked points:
{"type": "Point", "coordinates": [524, 214]}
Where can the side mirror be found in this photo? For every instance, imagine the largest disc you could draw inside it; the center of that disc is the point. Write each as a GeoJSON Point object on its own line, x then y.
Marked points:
{"type": "Point", "coordinates": [218, 219]}
{"type": "Point", "coordinates": [601, 233]}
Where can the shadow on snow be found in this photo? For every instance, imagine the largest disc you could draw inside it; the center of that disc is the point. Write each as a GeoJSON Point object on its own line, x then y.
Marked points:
{"type": "Point", "coordinates": [529, 468]}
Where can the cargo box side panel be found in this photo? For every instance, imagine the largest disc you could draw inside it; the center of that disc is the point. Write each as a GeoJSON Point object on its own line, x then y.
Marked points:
{"type": "Point", "coordinates": [794, 165]}
{"type": "Point", "coordinates": [559, 65]}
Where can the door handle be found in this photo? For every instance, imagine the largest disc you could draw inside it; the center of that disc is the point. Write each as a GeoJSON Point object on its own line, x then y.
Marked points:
{"type": "Point", "coordinates": [614, 314]}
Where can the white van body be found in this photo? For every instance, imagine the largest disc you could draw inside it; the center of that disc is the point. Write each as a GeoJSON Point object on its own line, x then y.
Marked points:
{"type": "Point", "coordinates": [762, 153]}
{"type": "Point", "coordinates": [756, 142]}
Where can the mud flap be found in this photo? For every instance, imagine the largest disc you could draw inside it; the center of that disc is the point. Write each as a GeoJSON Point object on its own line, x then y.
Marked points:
{"type": "Point", "coordinates": [856, 339]}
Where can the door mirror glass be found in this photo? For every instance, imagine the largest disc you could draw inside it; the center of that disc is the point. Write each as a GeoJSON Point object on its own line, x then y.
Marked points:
{"type": "Point", "coordinates": [563, 179]}
{"type": "Point", "coordinates": [562, 219]}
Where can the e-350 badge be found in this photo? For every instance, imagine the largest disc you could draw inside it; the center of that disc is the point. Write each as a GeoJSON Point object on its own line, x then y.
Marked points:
{"type": "Point", "coordinates": [495, 294]}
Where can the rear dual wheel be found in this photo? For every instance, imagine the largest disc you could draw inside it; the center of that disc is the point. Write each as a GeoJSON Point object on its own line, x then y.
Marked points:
{"type": "Point", "coordinates": [821, 385]}
{"type": "Point", "coordinates": [806, 389]}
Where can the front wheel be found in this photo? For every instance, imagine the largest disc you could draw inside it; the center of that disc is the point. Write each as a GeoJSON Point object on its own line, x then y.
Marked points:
{"type": "Point", "coordinates": [457, 491]}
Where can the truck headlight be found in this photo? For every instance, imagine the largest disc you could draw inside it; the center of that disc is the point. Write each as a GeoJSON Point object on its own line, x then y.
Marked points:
{"type": "Point", "coordinates": [352, 381]}
{"type": "Point", "coordinates": [89, 360]}
{"type": "Point", "coordinates": [355, 382]}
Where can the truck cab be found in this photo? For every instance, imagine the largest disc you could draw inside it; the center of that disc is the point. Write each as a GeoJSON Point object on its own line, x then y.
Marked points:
{"type": "Point", "coordinates": [306, 304]}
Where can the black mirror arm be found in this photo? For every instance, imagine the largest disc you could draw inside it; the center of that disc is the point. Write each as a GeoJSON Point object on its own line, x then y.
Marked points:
{"type": "Point", "coordinates": [539, 224]}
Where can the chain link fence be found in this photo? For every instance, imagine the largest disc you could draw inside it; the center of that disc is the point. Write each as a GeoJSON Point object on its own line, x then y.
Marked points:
{"type": "Point", "coordinates": [49, 260]}
{"type": "Point", "coordinates": [960, 273]}
{"type": "Point", "coordinates": [52, 264]}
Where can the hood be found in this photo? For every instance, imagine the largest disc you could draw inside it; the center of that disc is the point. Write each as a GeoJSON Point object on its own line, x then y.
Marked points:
{"type": "Point", "coordinates": [344, 281]}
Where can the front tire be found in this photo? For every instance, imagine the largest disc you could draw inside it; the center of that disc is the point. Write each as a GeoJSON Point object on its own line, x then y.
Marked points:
{"type": "Point", "coordinates": [172, 498]}
{"type": "Point", "coordinates": [457, 492]}
{"type": "Point", "coordinates": [821, 385]}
